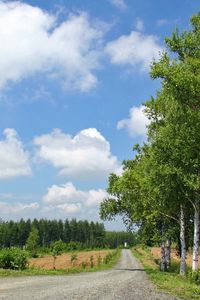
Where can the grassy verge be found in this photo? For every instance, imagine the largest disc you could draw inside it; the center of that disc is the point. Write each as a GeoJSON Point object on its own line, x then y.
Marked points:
{"type": "Point", "coordinates": [169, 281]}
{"type": "Point", "coordinates": [37, 271]}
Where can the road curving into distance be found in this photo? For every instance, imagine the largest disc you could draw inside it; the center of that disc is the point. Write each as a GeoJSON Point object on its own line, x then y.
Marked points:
{"type": "Point", "coordinates": [126, 281]}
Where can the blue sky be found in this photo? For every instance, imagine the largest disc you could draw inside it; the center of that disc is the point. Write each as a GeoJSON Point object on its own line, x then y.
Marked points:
{"type": "Point", "coordinates": [73, 77]}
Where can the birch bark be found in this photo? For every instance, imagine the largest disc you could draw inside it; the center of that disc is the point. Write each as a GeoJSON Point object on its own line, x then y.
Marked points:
{"type": "Point", "coordinates": [182, 240]}
{"type": "Point", "coordinates": [168, 253]}
{"type": "Point", "coordinates": [163, 258]}
{"type": "Point", "coordinates": [195, 258]}
{"type": "Point", "coordinates": [163, 261]}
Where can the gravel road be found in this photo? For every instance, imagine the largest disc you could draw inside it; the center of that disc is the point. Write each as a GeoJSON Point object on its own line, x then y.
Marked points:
{"type": "Point", "coordinates": [126, 281]}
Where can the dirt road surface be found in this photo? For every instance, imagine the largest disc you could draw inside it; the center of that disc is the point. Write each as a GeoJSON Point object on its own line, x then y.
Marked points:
{"type": "Point", "coordinates": [126, 281]}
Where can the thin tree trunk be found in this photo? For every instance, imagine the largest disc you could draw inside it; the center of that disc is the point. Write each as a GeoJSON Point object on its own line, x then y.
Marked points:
{"type": "Point", "coordinates": [182, 240]}
{"type": "Point", "coordinates": [163, 261]}
{"type": "Point", "coordinates": [54, 262]}
{"type": "Point", "coordinates": [195, 259]}
{"type": "Point", "coordinates": [168, 253]}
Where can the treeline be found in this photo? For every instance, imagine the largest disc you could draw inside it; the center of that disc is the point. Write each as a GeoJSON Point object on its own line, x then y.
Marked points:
{"type": "Point", "coordinates": [160, 187]}
{"type": "Point", "coordinates": [15, 234]}
{"type": "Point", "coordinates": [115, 239]}
{"type": "Point", "coordinates": [85, 234]}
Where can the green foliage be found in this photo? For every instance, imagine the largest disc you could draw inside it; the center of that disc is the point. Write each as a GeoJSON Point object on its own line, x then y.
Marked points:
{"type": "Point", "coordinates": [164, 173]}
{"type": "Point", "coordinates": [195, 277]}
{"type": "Point", "coordinates": [38, 236]}
{"type": "Point", "coordinates": [88, 234]}
{"type": "Point", "coordinates": [13, 258]}
{"type": "Point", "coordinates": [73, 246]}
{"type": "Point", "coordinates": [116, 239]}
{"type": "Point", "coordinates": [32, 242]}
{"type": "Point", "coordinates": [108, 258]}
{"type": "Point", "coordinates": [58, 247]}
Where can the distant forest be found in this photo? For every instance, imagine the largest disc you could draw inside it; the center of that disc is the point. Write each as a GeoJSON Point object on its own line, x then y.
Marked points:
{"type": "Point", "coordinates": [87, 234]}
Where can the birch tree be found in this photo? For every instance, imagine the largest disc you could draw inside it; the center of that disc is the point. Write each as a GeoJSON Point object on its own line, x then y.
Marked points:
{"type": "Point", "coordinates": [181, 110]}
{"type": "Point", "coordinates": [164, 178]}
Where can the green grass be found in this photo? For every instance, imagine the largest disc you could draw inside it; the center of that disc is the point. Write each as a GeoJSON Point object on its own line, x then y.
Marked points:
{"type": "Point", "coordinates": [169, 281]}
{"type": "Point", "coordinates": [37, 271]}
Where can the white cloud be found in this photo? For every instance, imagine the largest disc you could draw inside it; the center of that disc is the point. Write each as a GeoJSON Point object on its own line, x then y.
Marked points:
{"type": "Point", "coordinates": [139, 24]}
{"type": "Point", "coordinates": [136, 49]}
{"type": "Point", "coordinates": [119, 4]}
{"type": "Point", "coordinates": [33, 41]}
{"type": "Point", "coordinates": [137, 122]}
{"type": "Point", "coordinates": [69, 208]}
{"type": "Point", "coordinates": [14, 160]}
{"type": "Point", "coordinates": [18, 209]}
{"type": "Point", "coordinates": [162, 22]}
{"type": "Point", "coordinates": [66, 198]}
{"type": "Point", "coordinates": [86, 155]}
{"type": "Point", "coordinates": [60, 201]}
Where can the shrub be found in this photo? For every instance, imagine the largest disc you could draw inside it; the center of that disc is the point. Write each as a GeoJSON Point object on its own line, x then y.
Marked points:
{"type": "Point", "coordinates": [33, 242]}
{"type": "Point", "coordinates": [84, 264]}
{"type": "Point", "coordinates": [58, 247]}
{"type": "Point", "coordinates": [13, 258]}
{"type": "Point", "coordinates": [195, 276]}
{"type": "Point", "coordinates": [108, 258]}
{"type": "Point", "coordinates": [71, 246]}
{"type": "Point", "coordinates": [73, 259]}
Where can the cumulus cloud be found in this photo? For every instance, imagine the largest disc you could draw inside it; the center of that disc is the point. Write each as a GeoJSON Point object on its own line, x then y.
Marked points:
{"type": "Point", "coordinates": [60, 201]}
{"type": "Point", "coordinates": [119, 4]}
{"type": "Point", "coordinates": [18, 209]}
{"type": "Point", "coordinates": [137, 122]}
{"type": "Point", "coordinates": [14, 160]}
{"type": "Point", "coordinates": [86, 155]}
{"type": "Point", "coordinates": [33, 41]}
{"type": "Point", "coordinates": [135, 49]}
{"type": "Point", "coordinates": [70, 200]}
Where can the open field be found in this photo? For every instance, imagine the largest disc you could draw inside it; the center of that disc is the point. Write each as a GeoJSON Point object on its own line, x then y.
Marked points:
{"type": "Point", "coordinates": [64, 266]}
{"type": "Point", "coordinates": [169, 281]}
{"type": "Point", "coordinates": [64, 261]}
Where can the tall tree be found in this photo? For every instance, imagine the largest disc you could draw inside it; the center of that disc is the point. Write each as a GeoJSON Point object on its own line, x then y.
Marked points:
{"type": "Point", "coordinates": [164, 178]}
{"type": "Point", "coordinates": [33, 242]}
{"type": "Point", "coordinates": [180, 76]}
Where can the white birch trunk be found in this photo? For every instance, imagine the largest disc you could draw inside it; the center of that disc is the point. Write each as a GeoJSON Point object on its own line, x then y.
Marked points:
{"type": "Point", "coordinates": [168, 253]}
{"type": "Point", "coordinates": [163, 261]}
{"type": "Point", "coordinates": [182, 240]}
{"type": "Point", "coordinates": [195, 258]}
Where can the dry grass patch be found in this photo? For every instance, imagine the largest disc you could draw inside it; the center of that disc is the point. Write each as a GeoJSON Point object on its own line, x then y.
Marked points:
{"type": "Point", "coordinates": [155, 251]}
{"type": "Point", "coordinates": [147, 258]}
{"type": "Point", "coordinates": [64, 261]}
